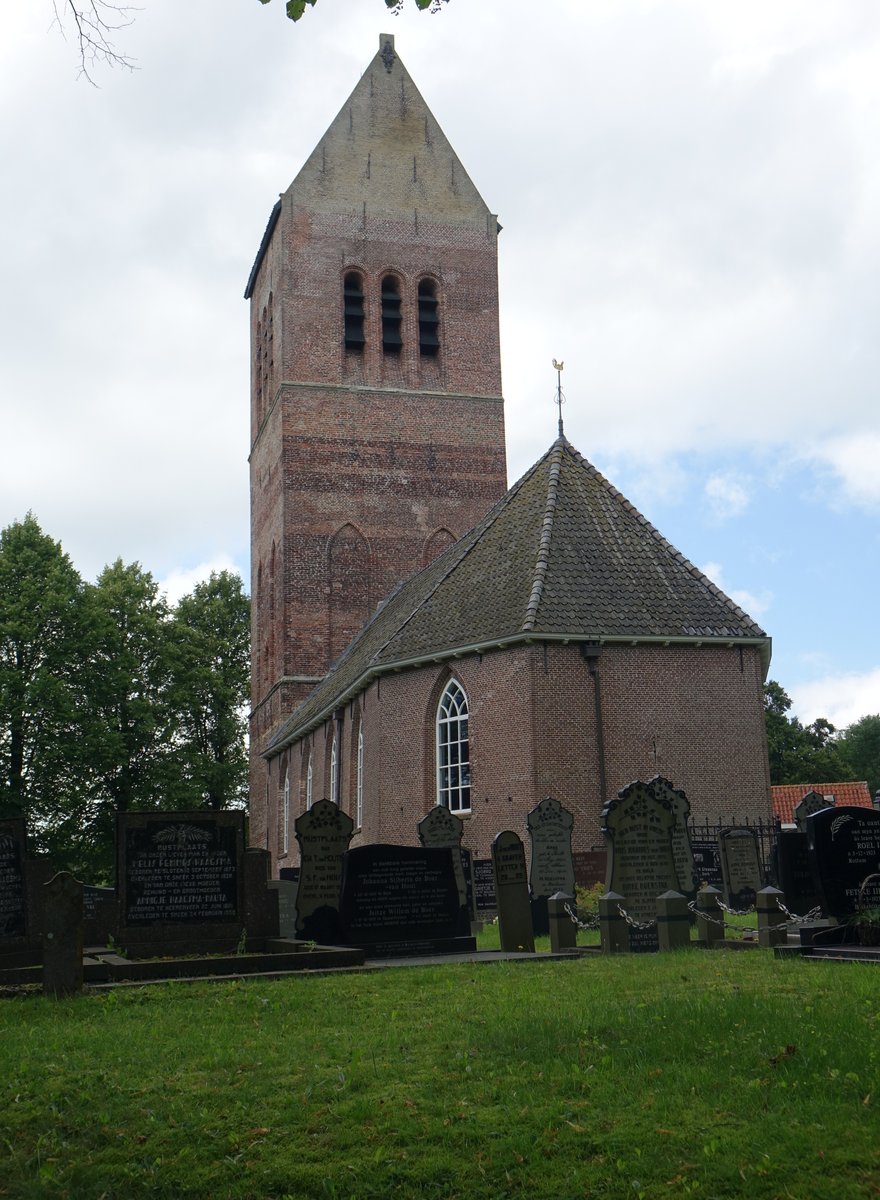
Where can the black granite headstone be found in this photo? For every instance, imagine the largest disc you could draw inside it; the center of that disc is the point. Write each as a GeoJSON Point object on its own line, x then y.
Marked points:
{"type": "Point", "coordinates": [707, 863]}
{"type": "Point", "coordinates": [180, 868]}
{"type": "Point", "coordinates": [402, 900]}
{"type": "Point", "coordinates": [13, 886]}
{"type": "Point", "coordinates": [794, 873]}
{"type": "Point", "coordinates": [845, 844]}
{"type": "Point", "coordinates": [485, 900]}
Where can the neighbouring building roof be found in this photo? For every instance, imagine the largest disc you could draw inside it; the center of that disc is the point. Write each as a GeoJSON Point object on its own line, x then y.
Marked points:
{"type": "Point", "coordinates": [562, 557]}
{"type": "Point", "coordinates": [786, 796]}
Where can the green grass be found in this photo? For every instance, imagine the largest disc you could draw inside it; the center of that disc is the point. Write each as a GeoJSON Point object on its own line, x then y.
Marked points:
{"type": "Point", "coordinates": [690, 1074]}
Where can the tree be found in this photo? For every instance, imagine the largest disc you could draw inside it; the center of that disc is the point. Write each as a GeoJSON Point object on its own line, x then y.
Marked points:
{"type": "Point", "coordinates": [95, 24]}
{"type": "Point", "coordinates": [798, 753]}
{"type": "Point", "coordinates": [126, 736]}
{"type": "Point", "coordinates": [860, 746]}
{"type": "Point", "coordinates": [296, 8]}
{"type": "Point", "coordinates": [45, 638]}
{"type": "Point", "coordinates": [210, 657]}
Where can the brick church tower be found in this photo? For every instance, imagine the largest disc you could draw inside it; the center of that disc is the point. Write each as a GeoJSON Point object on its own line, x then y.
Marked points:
{"type": "Point", "coordinates": [377, 434]}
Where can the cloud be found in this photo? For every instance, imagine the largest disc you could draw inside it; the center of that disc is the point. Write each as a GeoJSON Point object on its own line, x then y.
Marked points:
{"type": "Point", "coordinates": [727, 497]}
{"type": "Point", "coordinates": [750, 602]}
{"type": "Point", "coordinates": [181, 582]}
{"type": "Point", "coordinates": [855, 461]}
{"type": "Point", "coordinates": [843, 699]}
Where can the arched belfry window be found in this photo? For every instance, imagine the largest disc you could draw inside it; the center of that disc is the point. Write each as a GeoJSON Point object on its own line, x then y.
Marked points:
{"type": "Point", "coordinates": [453, 749]}
{"type": "Point", "coordinates": [391, 320]}
{"type": "Point", "coordinates": [429, 320]}
{"type": "Point", "coordinates": [353, 311]}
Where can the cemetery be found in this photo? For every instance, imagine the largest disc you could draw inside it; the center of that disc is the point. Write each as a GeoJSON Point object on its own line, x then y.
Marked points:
{"type": "Point", "coordinates": [191, 901]}
{"type": "Point", "coordinates": [295, 1060]}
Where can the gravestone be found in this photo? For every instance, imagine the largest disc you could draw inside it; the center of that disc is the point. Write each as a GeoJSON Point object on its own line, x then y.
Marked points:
{"type": "Point", "coordinates": [180, 869]}
{"type": "Point", "coordinates": [13, 884]}
{"type": "Point", "coordinates": [707, 864]}
{"type": "Point", "coordinates": [485, 901]}
{"type": "Point", "coordinates": [682, 851]}
{"type": "Point", "coordinates": [552, 867]}
{"type": "Point", "coordinates": [590, 867]}
{"type": "Point", "coordinates": [812, 802]}
{"type": "Point", "coordinates": [63, 936]}
{"type": "Point", "coordinates": [403, 900]}
{"type": "Point", "coordinates": [741, 868]}
{"type": "Point", "coordinates": [794, 872]}
{"type": "Point", "coordinates": [845, 844]}
{"type": "Point", "coordinates": [286, 890]}
{"type": "Point", "coordinates": [323, 833]}
{"type": "Point", "coordinates": [512, 893]}
{"type": "Point", "coordinates": [641, 864]}
{"type": "Point", "coordinates": [442, 830]}
{"type": "Point", "coordinates": [100, 915]}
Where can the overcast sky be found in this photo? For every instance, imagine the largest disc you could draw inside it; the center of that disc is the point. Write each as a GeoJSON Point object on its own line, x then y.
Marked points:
{"type": "Point", "coordinates": [690, 196]}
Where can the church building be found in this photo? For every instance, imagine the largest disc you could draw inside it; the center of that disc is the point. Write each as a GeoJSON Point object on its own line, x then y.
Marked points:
{"type": "Point", "coordinates": [422, 635]}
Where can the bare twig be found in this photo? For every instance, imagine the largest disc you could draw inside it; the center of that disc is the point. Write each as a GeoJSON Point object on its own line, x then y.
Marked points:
{"type": "Point", "coordinates": [96, 23]}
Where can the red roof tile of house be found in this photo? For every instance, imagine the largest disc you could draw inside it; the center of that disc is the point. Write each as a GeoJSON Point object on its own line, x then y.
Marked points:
{"type": "Point", "coordinates": [787, 795]}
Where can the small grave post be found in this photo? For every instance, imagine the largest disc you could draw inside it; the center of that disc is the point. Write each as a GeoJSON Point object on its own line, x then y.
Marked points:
{"type": "Point", "coordinates": [709, 915]}
{"type": "Point", "coordinates": [63, 936]}
{"type": "Point", "coordinates": [673, 921]}
{"type": "Point", "coordinates": [612, 925]}
{"type": "Point", "coordinates": [563, 931]}
{"type": "Point", "coordinates": [770, 917]}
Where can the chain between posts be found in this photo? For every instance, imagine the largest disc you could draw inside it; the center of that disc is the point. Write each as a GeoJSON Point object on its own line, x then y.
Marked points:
{"type": "Point", "coordinates": [692, 905]}
{"type": "Point", "coordinates": [793, 918]}
{"type": "Point", "coordinates": [736, 912]}
{"type": "Point", "coordinates": [633, 924]}
{"type": "Point", "coordinates": [593, 923]}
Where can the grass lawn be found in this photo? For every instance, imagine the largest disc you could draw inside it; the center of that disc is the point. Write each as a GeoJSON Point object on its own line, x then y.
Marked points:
{"type": "Point", "coordinates": [689, 1074]}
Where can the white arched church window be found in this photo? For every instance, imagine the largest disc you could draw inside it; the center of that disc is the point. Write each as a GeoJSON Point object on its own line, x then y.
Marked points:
{"type": "Point", "coordinates": [453, 749]}
{"type": "Point", "coordinates": [309, 783]}
{"type": "Point", "coordinates": [285, 816]}
{"type": "Point", "coordinates": [334, 773]}
{"type": "Point", "coordinates": [359, 781]}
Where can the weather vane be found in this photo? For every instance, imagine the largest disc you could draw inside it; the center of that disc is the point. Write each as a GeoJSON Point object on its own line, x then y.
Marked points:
{"type": "Point", "coordinates": [559, 399]}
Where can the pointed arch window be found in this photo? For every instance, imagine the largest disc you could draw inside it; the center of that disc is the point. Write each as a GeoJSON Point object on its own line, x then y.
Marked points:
{"type": "Point", "coordinates": [429, 320]}
{"type": "Point", "coordinates": [392, 340]}
{"type": "Point", "coordinates": [309, 783]}
{"type": "Point", "coordinates": [359, 780]}
{"type": "Point", "coordinates": [453, 749]}
{"type": "Point", "coordinates": [334, 773]}
{"type": "Point", "coordinates": [285, 816]}
{"type": "Point", "coordinates": [353, 311]}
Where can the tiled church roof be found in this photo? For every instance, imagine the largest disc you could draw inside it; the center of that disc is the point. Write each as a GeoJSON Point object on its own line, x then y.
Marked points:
{"type": "Point", "coordinates": [562, 556]}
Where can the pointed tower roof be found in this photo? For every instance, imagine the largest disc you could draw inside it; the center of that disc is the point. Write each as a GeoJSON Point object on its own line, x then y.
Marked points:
{"type": "Point", "coordinates": [383, 155]}
{"type": "Point", "coordinates": [562, 557]}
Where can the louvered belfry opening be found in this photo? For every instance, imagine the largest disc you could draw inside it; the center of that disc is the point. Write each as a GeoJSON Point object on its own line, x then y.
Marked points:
{"type": "Point", "coordinates": [353, 312]}
{"type": "Point", "coordinates": [429, 320]}
{"type": "Point", "coordinates": [392, 341]}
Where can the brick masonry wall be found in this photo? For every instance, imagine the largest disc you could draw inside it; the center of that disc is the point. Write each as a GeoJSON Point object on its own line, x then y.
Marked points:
{"type": "Point", "coordinates": [693, 714]}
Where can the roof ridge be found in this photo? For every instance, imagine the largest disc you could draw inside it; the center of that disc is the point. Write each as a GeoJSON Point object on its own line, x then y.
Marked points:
{"type": "Point", "coordinates": [658, 536]}
{"type": "Point", "coordinates": [543, 560]}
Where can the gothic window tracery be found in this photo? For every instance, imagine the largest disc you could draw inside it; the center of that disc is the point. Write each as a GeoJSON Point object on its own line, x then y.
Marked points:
{"type": "Point", "coordinates": [453, 749]}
